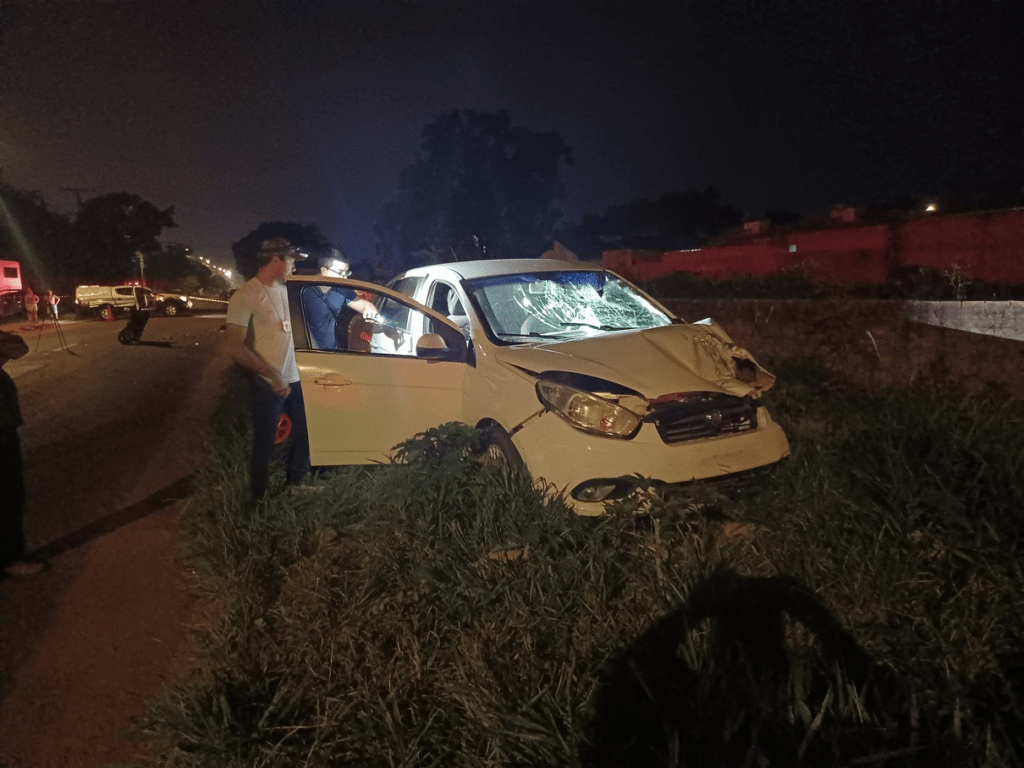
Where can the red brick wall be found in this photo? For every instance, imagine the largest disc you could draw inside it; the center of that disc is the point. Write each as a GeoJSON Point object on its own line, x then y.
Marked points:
{"type": "Point", "coordinates": [986, 246]}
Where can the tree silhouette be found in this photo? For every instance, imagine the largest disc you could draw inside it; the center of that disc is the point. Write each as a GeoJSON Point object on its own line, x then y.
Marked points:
{"type": "Point", "coordinates": [40, 239]}
{"type": "Point", "coordinates": [113, 228]}
{"type": "Point", "coordinates": [306, 237]}
{"type": "Point", "coordinates": [782, 217]}
{"type": "Point", "coordinates": [173, 264]}
{"type": "Point", "coordinates": [478, 188]}
{"type": "Point", "coordinates": [675, 221]}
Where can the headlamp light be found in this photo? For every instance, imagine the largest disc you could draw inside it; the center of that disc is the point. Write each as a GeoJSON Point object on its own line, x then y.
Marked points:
{"type": "Point", "coordinates": [588, 412]}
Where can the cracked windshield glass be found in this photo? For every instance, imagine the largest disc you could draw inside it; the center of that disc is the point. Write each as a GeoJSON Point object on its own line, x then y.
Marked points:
{"type": "Point", "coordinates": [561, 305]}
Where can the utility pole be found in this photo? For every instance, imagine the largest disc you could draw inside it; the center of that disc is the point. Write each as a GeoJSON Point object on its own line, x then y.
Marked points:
{"type": "Point", "coordinates": [142, 266]}
{"type": "Point", "coordinates": [78, 193]}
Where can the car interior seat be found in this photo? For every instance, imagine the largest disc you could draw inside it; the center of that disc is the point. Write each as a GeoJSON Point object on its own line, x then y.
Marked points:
{"type": "Point", "coordinates": [457, 314]}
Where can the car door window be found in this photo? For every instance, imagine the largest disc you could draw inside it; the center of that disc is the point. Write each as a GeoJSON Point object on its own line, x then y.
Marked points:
{"type": "Point", "coordinates": [444, 298]}
{"type": "Point", "coordinates": [393, 334]}
{"type": "Point", "coordinates": [327, 316]}
{"type": "Point", "coordinates": [407, 285]}
{"type": "Point", "coordinates": [331, 325]}
{"type": "Point", "coordinates": [400, 327]}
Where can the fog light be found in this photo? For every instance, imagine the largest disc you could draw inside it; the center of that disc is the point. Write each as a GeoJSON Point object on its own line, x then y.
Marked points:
{"type": "Point", "coordinates": [595, 490]}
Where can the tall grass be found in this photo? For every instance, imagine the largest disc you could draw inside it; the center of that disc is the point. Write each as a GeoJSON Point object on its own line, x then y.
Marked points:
{"type": "Point", "coordinates": [866, 610]}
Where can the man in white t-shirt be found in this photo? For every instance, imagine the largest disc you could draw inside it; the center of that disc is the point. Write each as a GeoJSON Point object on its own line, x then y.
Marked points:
{"type": "Point", "coordinates": [258, 337]}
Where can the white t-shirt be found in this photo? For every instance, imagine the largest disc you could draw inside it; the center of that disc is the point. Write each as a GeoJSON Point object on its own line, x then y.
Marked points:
{"type": "Point", "coordinates": [266, 310]}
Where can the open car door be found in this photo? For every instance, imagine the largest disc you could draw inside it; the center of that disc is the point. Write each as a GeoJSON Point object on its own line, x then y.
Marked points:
{"type": "Point", "coordinates": [370, 385]}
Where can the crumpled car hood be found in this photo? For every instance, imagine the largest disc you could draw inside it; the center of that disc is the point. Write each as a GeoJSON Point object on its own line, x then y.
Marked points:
{"type": "Point", "coordinates": [654, 362]}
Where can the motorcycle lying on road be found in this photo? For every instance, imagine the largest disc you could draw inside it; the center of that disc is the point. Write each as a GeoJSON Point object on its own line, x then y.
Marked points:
{"type": "Point", "coordinates": [132, 333]}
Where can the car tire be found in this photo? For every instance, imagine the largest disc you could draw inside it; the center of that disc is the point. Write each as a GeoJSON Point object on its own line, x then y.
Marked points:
{"type": "Point", "coordinates": [107, 312]}
{"type": "Point", "coordinates": [498, 449]}
{"type": "Point", "coordinates": [171, 309]}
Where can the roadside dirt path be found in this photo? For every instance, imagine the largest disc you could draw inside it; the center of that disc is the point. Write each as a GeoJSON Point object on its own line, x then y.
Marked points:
{"type": "Point", "coordinates": [111, 621]}
{"type": "Point", "coordinates": [85, 645]}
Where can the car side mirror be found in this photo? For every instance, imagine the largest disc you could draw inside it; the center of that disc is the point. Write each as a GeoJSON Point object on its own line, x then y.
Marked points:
{"type": "Point", "coordinates": [432, 347]}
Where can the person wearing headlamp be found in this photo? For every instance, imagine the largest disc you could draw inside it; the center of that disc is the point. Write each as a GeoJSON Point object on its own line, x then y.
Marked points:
{"type": "Point", "coordinates": [268, 354]}
{"type": "Point", "coordinates": [322, 305]}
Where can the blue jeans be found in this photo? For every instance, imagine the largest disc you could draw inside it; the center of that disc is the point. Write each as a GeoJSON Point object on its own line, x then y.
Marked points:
{"type": "Point", "coordinates": [267, 407]}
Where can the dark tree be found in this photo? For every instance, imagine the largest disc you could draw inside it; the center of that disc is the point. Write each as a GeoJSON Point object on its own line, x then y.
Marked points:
{"type": "Point", "coordinates": [41, 240]}
{"type": "Point", "coordinates": [306, 237]}
{"type": "Point", "coordinates": [782, 217]}
{"type": "Point", "coordinates": [479, 187]}
{"type": "Point", "coordinates": [216, 285]}
{"type": "Point", "coordinates": [676, 221]}
{"type": "Point", "coordinates": [173, 264]}
{"type": "Point", "coordinates": [113, 228]}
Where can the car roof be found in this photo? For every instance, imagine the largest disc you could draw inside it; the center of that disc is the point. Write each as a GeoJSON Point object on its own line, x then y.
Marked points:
{"type": "Point", "coordinates": [471, 270]}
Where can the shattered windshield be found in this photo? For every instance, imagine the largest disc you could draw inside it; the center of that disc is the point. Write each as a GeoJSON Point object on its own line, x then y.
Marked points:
{"type": "Point", "coordinates": [559, 306]}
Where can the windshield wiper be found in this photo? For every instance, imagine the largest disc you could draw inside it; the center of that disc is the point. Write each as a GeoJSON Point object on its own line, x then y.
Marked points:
{"type": "Point", "coordinates": [535, 334]}
{"type": "Point", "coordinates": [600, 327]}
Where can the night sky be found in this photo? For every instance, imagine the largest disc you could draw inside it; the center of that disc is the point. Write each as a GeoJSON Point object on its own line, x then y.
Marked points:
{"type": "Point", "coordinates": [242, 112]}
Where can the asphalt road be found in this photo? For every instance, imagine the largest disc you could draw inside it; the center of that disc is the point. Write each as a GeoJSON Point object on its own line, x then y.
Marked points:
{"type": "Point", "coordinates": [111, 431]}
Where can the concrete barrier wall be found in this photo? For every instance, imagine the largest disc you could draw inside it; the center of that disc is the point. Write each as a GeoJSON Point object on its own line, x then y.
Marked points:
{"type": "Point", "coordinates": [992, 318]}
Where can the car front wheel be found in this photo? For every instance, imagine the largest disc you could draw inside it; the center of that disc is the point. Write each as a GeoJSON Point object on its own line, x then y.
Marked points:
{"type": "Point", "coordinates": [499, 450]}
{"type": "Point", "coordinates": [171, 309]}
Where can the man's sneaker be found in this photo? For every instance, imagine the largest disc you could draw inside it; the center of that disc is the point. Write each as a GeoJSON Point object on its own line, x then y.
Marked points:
{"type": "Point", "coordinates": [25, 568]}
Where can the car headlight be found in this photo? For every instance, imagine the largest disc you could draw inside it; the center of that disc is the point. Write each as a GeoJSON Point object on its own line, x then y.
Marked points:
{"type": "Point", "coordinates": [588, 412]}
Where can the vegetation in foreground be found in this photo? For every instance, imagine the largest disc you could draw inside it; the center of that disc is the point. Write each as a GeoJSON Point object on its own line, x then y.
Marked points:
{"type": "Point", "coordinates": [864, 611]}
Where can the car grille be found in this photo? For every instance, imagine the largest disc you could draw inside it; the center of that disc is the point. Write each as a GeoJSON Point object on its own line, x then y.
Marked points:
{"type": "Point", "coordinates": [748, 481]}
{"type": "Point", "coordinates": [707, 415]}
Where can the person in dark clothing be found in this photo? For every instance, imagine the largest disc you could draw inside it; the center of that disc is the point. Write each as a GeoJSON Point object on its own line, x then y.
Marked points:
{"type": "Point", "coordinates": [12, 479]}
{"type": "Point", "coordinates": [322, 305]}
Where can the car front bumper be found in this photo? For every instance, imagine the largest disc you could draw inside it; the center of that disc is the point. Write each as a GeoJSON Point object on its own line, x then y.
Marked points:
{"type": "Point", "coordinates": [567, 458]}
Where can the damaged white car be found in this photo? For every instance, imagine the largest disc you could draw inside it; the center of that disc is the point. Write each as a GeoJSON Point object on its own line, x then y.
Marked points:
{"type": "Point", "coordinates": [568, 369]}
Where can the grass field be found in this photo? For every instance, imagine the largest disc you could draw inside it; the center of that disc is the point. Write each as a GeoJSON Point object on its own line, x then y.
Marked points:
{"type": "Point", "coordinates": [866, 610]}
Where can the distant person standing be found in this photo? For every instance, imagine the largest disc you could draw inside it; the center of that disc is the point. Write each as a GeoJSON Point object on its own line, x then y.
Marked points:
{"type": "Point", "coordinates": [261, 305]}
{"type": "Point", "coordinates": [12, 478]}
{"type": "Point", "coordinates": [52, 301]}
{"type": "Point", "coordinates": [31, 305]}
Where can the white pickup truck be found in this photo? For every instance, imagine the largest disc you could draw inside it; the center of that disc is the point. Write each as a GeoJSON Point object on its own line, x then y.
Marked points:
{"type": "Point", "coordinates": [113, 300]}
{"type": "Point", "coordinates": [178, 300]}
